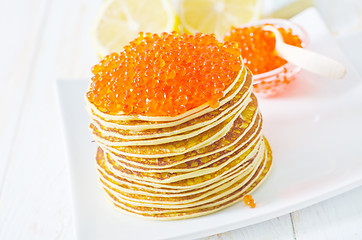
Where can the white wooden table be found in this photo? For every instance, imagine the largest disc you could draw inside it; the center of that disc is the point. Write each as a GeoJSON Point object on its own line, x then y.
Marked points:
{"type": "Point", "coordinates": [44, 40]}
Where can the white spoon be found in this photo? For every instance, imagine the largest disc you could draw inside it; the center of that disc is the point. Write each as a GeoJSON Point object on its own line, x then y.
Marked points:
{"type": "Point", "coordinates": [308, 60]}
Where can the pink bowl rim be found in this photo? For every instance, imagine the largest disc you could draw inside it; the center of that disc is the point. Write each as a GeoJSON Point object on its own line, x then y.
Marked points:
{"type": "Point", "coordinates": [279, 22]}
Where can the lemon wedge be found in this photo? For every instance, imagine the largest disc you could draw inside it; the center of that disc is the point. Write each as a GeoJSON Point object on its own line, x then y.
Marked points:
{"type": "Point", "coordinates": [217, 16]}
{"type": "Point", "coordinates": [119, 22]}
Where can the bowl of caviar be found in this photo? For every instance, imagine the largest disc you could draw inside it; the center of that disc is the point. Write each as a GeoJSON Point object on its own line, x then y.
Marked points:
{"type": "Point", "coordinates": [272, 74]}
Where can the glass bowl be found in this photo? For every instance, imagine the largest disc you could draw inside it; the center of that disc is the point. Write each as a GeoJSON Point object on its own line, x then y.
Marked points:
{"type": "Point", "coordinates": [276, 81]}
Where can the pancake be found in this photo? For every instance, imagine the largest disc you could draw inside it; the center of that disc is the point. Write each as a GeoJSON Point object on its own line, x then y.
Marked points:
{"type": "Point", "coordinates": [241, 89]}
{"type": "Point", "coordinates": [180, 147]}
{"type": "Point", "coordinates": [171, 167]}
{"type": "Point", "coordinates": [243, 127]}
{"type": "Point", "coordinates": [220, 165]}
{"type": "Point", "coordinates": [199, 159]}
{"type": "Point", "coordinates": [228, 94]}
{"type": "Point", "coordinates": [170, 148]}
{"type": "Point", "coordinates": [216, 174]}
{"type": "Point", "coordinates": [193, 187]}
{"type": "Point", "coordinates": [202, 124]}
{"type": "Point", "coordinates": [157, 139]}
{"type": "Point", "coordinates": [231, 197]}
{"type": "Point", "coordinates": [244, 170]}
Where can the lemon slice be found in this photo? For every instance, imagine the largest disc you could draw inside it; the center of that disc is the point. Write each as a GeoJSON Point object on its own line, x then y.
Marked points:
{"type": "Point", "coordinates": [217, 16]}
{"type": "Point", "coordinates": [120, 21]}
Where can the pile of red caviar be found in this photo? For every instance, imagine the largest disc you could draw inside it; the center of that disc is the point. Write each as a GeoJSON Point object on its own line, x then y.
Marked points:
{"type": "Point", "coordinates": [258, 47]}
{"type": "Point", "coordinates": [164, 75]}
{"type": "Point", "coordinates": [249, 201]}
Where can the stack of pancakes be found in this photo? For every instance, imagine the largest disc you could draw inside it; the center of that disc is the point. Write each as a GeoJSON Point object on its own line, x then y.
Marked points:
{"type": "Point", "coordinates": [185, 166]}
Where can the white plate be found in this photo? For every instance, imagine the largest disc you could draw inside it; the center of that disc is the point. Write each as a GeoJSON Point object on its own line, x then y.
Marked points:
{"type": "Point", "coordinates": [314, 130]}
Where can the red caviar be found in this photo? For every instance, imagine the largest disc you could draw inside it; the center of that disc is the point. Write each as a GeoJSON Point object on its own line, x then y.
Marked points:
{"type": "Point", "coordinates": [164, 75]}
{"type": "Point", "coordinates": [258, 47]}
{"type": "Point", "coordinates": [249, 201]}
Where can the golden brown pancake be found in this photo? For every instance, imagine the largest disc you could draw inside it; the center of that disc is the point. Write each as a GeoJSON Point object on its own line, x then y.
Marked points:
{"type": "Point", "coordinates": [230, 196]}
{"type": "Point", "coordinates": [187, 166]}
{"type": "Point", "coordinates": [139, 129]}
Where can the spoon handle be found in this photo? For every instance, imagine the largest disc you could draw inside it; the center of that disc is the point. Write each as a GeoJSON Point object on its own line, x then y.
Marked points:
{"type": "Point", "coordinates": [311, 61]}
{"type": "Point", "coordinates": [307, 59]}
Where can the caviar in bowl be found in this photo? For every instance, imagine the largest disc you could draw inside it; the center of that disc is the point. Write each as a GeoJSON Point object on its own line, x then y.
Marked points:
{"type": "Point", "coordinates": [272, 74]}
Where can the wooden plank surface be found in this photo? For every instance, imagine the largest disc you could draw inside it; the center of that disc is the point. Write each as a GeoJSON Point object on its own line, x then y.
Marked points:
{"type": "Point", "coordinates": [336, 218]}
{"type": "Point", "coordinates": [35, 195]}
{"type": "Point", "coordinates": [16, 61]}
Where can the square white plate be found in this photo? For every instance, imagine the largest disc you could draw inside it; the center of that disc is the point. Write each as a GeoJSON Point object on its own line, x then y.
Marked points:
{"type": "Point", "coordinates": [314, 130]}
